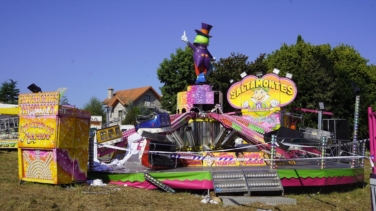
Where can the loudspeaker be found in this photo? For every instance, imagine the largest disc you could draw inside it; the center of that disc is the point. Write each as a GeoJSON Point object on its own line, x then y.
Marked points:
{"type": "Point", "coordinates": [339, 128]}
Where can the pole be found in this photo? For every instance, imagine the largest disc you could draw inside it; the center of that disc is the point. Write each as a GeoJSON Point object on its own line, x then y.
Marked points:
{"type": "Point", "coordinates": [356, 119]}
{"type": "Point", "coordinates": [323, 150]}
{"type": "Point", "coordinates": [320, 119]}
{"type": "Point", "coordinates": [273, 153]}
{"type": "Point", "coordinates": [107, 117]}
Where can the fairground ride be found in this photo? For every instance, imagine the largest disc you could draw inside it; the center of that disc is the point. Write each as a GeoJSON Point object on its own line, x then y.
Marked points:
{"type": "Point", "coordinates": [201, 147]}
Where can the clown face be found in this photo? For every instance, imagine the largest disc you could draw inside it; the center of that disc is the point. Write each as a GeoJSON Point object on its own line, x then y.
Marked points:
{"type": "Point", "coordinates": [259, 95]}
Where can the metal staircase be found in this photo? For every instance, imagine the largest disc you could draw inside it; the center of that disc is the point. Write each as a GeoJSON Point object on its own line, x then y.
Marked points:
{"type": "Point", "coordinates": [247, 181]}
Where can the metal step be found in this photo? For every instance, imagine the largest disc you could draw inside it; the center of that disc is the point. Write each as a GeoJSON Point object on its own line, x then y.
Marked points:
{"type": "Point", "coordinates": [263, 180]}
{"type": "Point", "coordinates": [229, 181]}
{"type": "Point", "coordinates": [246, 181]}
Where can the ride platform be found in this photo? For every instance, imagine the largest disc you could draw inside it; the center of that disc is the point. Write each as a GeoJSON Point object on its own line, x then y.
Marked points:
{"type": "Point", "coordinates": [305, 173]}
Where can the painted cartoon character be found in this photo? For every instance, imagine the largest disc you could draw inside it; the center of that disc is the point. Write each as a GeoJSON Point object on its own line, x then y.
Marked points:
{"type": "Point", "coordinates": [260, 99]}
{"type": "Point", "coordinates": [208, 161]}
{"type": "Point", "coordinates": [201, 56]}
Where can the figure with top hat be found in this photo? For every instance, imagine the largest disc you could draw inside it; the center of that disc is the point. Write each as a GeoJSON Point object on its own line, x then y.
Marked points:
{"type": "Point", "coordinates": [201, 55]}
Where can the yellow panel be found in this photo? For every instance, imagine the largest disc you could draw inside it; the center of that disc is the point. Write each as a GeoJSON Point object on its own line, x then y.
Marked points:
{"type": "Point", "coordinates": [109, 133]}
{"type": "Point", "coordinates": [42, 97]}
{"type": "Point", "coordinates": [11, 111]}
{"type": "Point", "coordinates": [82, 132]}
{"type": "Point", "coordinates": [46, 103]}
{"type": "Point", "coordinates": [182, 101]}
{"type": "Point", "coordinates": [256, 93]}
{"type": "Point", "coordinates": [20, 166]}
{"type": "Point", "coordinates": [66, 133]}
{"type": "Point", "coordinates": [8, 144]}
{"type": "Point", "coordinates": [37, 165]}
{"type": "Point", "coordinates": [37, 132]}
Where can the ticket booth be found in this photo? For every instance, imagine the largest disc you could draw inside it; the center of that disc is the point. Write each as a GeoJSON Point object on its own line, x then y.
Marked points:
{"type": "Point", "coordinates": [53, 140]}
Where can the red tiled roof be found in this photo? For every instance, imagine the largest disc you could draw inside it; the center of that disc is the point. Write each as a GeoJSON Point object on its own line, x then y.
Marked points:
{"type": "Point", "coordinates": [129, 95]}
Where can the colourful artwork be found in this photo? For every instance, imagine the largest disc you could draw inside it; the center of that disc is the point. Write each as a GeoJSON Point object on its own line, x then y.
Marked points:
{"type": "Point", "coordinates": [201, 55]}
{"type": "Point", "coordinates": [260, 99]}
{"type": "Point", "coordinates": [195, 94]}
{"type": "Point", "coordinates": [269, 119]}
{"type": "Point", "coordinates": [260, 94]}
{"type": "Point", "coordinates": [67, 131]}
{"type": "Point", "coordinates": [255, 159]}
{"type": "Point", "coordinates": [46, 103]}
{"type": "Point", "coordinates": [53, 140]}
{"type": "Point", "coordinates": [221, 159]}
{"type": "Point", "coordinates": [54, 166]}
{"type": "Point", "coordinates": [37, 132]}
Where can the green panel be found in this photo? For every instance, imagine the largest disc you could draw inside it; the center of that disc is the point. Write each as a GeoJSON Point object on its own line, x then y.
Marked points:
{"type": "Point", "coordinates": [183, 176]}
{"type": "Point", "coordinates": [318, 173]}
{"type": "Point", "coordinates": [200, 176]}
{"type": "Point", "coordinates": [139, 177]}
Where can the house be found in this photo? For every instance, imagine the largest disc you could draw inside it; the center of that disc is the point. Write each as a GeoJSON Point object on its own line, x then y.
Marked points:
{"type": "Point", "coordinates": [117, 103]}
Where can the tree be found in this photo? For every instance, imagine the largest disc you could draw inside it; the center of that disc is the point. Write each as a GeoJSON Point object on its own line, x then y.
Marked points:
{"type": "Point", "coordinates": [229, 69]}
{"type": "Point", "coordinates": [130, 118]}
{"type": "Point", "coordinates": [133, 112]}
{"type": "Point", "coordinates": [9, 92]}
{"type": "Point", "coordinates": [350, 67]}
{"type": "Point", "coordinates": [176, 74]}
{"type": "Point", "coordinates": [95, 107]}
{"type": "Point", "coordinates": [324, 74]}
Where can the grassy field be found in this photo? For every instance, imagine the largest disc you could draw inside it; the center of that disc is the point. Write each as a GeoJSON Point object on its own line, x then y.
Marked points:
{"type": "Point", "coordinates": [34, 196]}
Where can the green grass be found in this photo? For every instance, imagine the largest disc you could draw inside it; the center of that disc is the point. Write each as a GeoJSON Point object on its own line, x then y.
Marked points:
{"type": "Point", "coordinates": [35, 196]}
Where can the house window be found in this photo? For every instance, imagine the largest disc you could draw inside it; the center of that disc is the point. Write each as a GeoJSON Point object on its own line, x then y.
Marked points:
{"type": "Point", "coordinates": [120, 115]}
{"type": "Point", "coordinates": [147, 98]}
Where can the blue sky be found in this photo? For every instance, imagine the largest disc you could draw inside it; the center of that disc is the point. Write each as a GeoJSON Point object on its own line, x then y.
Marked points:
{"type": "Point", "coordinates": [91, 45]}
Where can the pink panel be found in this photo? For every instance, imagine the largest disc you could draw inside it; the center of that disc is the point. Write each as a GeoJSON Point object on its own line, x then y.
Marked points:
{"type": "Point", "coordinates": [372, 138]}
{"type": "Point", "coordinates": [296, 182]}
{"type": "Point", "coordinates": [193, 185]}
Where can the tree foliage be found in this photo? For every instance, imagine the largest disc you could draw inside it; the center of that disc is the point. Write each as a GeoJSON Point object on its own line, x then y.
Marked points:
{"type": "Point", "coordinates": [176, 74]}
{"type": "Point", "coordinates": [9, 92]}
{"type": "Point", "coordinates": [133, 112]}
{"type": "Point", "coordinates": [130, 118]}
{"type": "Point", "coordinates": [324, 74]}
{"type": "Point", "coordinates": [95, 107]}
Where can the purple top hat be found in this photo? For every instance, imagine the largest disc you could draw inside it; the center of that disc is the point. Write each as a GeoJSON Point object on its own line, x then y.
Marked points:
{"type": "Point", "coordinates": [205, 29]}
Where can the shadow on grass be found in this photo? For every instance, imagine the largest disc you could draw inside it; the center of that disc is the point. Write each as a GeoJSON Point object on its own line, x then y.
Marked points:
{"type": "Point", "coordinates": [7, 151]}
{"type": "Point", "coordinates": [325, 189]}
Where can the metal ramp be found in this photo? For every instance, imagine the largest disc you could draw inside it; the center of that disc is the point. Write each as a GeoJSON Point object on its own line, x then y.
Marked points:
{"type": "Point", "coordinates": [244, 200]}
{"type": "Point", "coordinates": [247, 181]}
